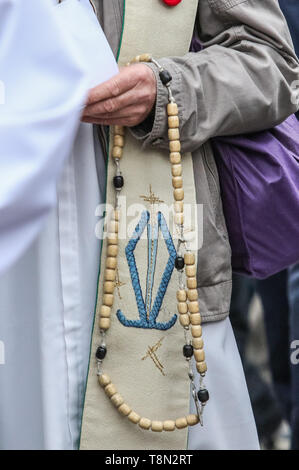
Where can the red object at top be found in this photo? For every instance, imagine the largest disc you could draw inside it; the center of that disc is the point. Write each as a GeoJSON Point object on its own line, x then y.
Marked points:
{"type": "Point", "coordinates": [172, 3]}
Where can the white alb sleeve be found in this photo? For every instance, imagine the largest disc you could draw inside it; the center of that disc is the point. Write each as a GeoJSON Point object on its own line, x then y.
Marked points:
{"type": "Point", "coordinates": [43, 88]}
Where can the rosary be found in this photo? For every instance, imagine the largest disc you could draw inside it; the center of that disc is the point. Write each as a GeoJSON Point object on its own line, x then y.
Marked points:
{"type": "Point", "coordinates": [187, 294]}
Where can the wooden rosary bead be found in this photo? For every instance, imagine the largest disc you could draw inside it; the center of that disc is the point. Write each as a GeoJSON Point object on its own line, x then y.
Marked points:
{"type": "Point", "coordinates": [192, 420]}
{"type": "Point", "coordinates": [181, 295]}
{"type": "Point", "coordinates": [111, 263]}
{"type": "Point", "coordinates": [157, 426]}
{"type": "Point", "coordinates": [201, 367]}
{"type": "Point", "coordinates": [145, 58]}
{"type": "Point", "coordinates": [105, 311]}
{"type": "Point", "coordinates": [116, 215]}
{"type": "Point", "coordinates": [117, 400]}
{"type": "Point", "coordinates": [193, 307]}
{"type": "Point", "coordinates": [175, 146]}
{"type": "Point", "coordinates": [196, 331]}
{"type": "Point", "coordinates": [175, 158]}
{"type": "Point", "coordinates": [177, 170]}
{"type": "Point", "coordinates": [118, 141]}
{"type": "Point", "coordinates": [169, 425]}
{"type": "Point", "coordinates": [178, 207]}
{"type": "Point", "coordinates": [119, 130]}
{"type": "Point", "coordinates": [145, 423]}
{"type": "Point", "coordinates": [135, 60]}
{"type": "Point", "coordinates": [181, 423]}
{"type": "Point", "coordinates": [173, 134]}
{"type": "Point", "coordinates": [189, 258]}
{"type": "Point", "coordinates": [108, 300]}
{"type": "Point", "coordinates": [197, 343]}
{"type": "Point", "coordinates": [109, 287]}
{"type": "Point", "coordinates": [191, 270]}
{"type": "Point", "coordinates": [172, 109]}
{"type": "Point", "coordinates": [104, 323]}
{"type": "Point", "coordinates": [112, 239]}
{"type": "Point", "coordinates": [113, 226]}
{"type": "Point", "coordinates": [124, 409]}
{"type": "Point", "coordinates": [104, 380]}
{"type": "Point", "coordinates": [192, 294]}
{"type": "Point", "coordinates": [117, 152]}
{"type": "Point", "coordinates": [177, 182]}
{"type": "Point", "coordinates": [178, 194]}
{"type": "Point", "coordinates": [195, 319]}
{"type": "Point", "coordinates": [199, 355]}
{"type": "Point", "coordinates": [184, 320]}
{"type": "Point", "coordinates": [182, 308]}
{"type": "Point", "coordinates": [192, 283]}
{"type": "Point", "coordinates": [179, 219]}
{"type": "Point", "coordinates": [112, 250]}
{"type": "Point", "coordinates": [110, 274]}
{"type": "Point", "coordinates": [110, 390]}
{"type": "Point", "coordinates": [173, 122]}
{"type": "Point", "coordinates": [134, 417]}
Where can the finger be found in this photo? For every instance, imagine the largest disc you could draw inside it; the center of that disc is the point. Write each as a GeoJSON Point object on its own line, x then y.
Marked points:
{"type": "Point", "coordinates": [116, 86]}
{"type": "Point", "coordinates": [133, 110]}
{"type": "Point", "coordinates": [106, 90]}
{"type": "Point", "coordinates": [113, 105]}
{"type": "Point", "coordinates": [128, 121]}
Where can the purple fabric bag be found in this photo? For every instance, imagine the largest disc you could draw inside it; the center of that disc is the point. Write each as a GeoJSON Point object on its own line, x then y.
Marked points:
{"type": "Point", "coordinates": [259, 179]}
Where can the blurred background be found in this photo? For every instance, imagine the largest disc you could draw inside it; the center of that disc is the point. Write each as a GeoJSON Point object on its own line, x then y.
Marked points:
{"type": "Point", "coordinates": [260, 315]}
{"type": "Point", "coordinates": [265, 318]}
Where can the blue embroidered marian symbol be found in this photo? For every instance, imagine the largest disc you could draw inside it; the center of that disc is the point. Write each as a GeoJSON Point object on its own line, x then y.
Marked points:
{"type": "Point", "coordinates": [148, 315]}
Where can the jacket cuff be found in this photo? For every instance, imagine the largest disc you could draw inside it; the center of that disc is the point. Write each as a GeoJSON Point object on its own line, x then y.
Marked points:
{"type": "Point", "coordinates": [154, 130]}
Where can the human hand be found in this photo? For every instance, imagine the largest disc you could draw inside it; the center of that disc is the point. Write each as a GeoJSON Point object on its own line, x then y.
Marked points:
{"type": "Point", "coordinates": [124, 100]}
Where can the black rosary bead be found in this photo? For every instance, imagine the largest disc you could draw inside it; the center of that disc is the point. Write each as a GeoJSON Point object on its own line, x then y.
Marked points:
{"type": "Point", "coordinates": [188, 350]}
{"type": "Point", "coordinates": [165, 77]}
{"type": "Point", "coordinates": [118, 181]}
{"type": "Point", "coordinates": [101, 353]}
{"type": "Point", "coordinates": [203, 395]}
{"type": "Point", "coordinates": [179, 263]}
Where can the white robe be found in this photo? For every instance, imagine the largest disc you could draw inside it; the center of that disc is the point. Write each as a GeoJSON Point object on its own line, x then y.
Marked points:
{"type": "Point", "coordinates": [47, 297]}
{"type": "Point", "coordinates": [32, 151]}
{"type": "Point", "coordinates": [47, 303]}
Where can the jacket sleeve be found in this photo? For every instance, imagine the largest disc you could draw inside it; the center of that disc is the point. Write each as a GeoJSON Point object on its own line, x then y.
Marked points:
{"type": "Point", "coordinates": [243, 80]}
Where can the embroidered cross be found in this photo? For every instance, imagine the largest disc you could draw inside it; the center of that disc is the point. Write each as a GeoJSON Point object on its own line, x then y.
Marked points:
{"type": "Point", "coordinates": [152, 198]}
{"type": "Point", "coordinates": [118, 284]}
{"type": "Point", "coordinates": [151, 352]}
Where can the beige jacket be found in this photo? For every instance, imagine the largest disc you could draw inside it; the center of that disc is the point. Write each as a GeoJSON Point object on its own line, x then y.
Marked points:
{"type": "Point", "coordinates": [241, 82]}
